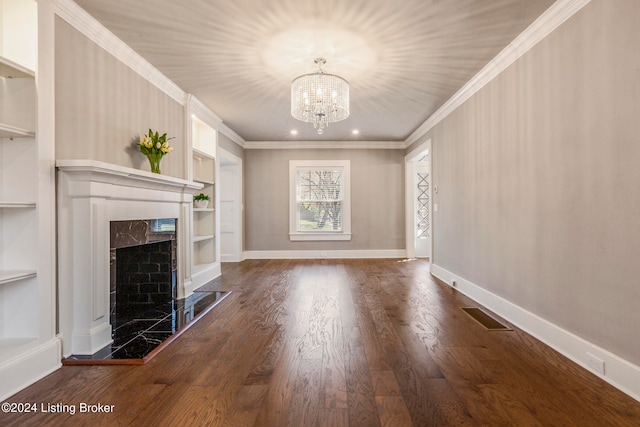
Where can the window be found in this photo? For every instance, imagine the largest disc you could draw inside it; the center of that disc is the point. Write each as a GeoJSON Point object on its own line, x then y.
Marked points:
{"type": "Point", "coordinates": [319, 207]}
{"type": "Point", "coordinates": [422, 215]}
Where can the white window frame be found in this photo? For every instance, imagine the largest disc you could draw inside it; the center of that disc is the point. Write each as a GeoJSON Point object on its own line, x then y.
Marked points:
{"type": "Point", "coordinates": [294, 234]}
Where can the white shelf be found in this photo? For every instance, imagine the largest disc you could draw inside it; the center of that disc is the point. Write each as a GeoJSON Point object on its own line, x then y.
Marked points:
{"type": "Point", "coordinates": [203, 238]}
{"type": "Point", "coordinates": [203, 209]}
{"type": "Point", "coordinates": [10, 69]}
{"type": "Point", "coordinates": [203, 181]}
{"type": "Point", "coordinates": [8, 276]}
{"type": "Point", "coordinates": [201, 154]}
{"type": "Point", "coordinates": [8, 204]}
{"type": "Point", "coordinates": [8, 131]}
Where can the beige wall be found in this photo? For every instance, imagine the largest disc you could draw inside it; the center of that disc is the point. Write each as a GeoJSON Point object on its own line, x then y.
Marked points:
{"type": "Point", "coordinates": [377, 201]}
{"type": "Point", "coordinates": [102, 106]}
{"type": "Point", "coordinates": [539, 184]}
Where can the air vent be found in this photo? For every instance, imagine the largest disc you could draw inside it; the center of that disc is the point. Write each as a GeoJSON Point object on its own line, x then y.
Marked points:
{"type": "Point", "coordinates": [485, 320]}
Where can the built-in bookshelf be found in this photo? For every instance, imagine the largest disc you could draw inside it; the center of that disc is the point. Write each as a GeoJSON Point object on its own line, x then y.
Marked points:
{"type": "Point", "coordinates": [29, 348]}
{"type": "Point", "coordinates": [204, 218]}
{"type": "Point", "coordinates": [18, 193]}
{"type": "Point", "coordinates": [205, 258]}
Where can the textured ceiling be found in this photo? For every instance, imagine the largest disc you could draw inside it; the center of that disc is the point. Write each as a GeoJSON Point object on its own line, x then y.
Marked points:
{"type": "Point", "coordinates": [403, 58]}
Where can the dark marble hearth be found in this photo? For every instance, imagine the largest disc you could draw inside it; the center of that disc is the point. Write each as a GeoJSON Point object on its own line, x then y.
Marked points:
{"type": "Point", "coordinates": [144, 332]}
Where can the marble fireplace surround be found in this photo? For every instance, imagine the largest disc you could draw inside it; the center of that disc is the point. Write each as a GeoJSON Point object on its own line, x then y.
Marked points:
{"type": "Point", "coordinates": [143, 268]}
{"type": "Point", "coordinates": [92, 194]}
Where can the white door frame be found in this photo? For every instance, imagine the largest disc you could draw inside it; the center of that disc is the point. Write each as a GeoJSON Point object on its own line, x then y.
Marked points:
{"type": "Point", "coordinates": [232, 162]}
{"type": "Point", "coordinates": [410, 203]}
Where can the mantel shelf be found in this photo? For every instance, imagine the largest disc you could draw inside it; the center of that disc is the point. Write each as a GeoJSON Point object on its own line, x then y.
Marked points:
{"type": "Point", "coordinates": [203, 209]}
{"type": "Point", "coordinates": [95, 171]}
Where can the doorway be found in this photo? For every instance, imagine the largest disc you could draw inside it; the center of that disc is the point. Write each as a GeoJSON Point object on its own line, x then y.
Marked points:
{"type": "Point", "coordinates": [230, 188]}
{"type": "Point", "coordinates": [418, 201]}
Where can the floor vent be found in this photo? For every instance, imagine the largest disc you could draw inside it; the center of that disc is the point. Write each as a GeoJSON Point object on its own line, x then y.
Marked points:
{"type": "Point", "coordinates": [485, 320]}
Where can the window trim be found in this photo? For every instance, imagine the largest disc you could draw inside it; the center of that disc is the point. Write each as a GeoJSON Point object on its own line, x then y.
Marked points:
{"type": "Point", "coordinates": [294, 234]}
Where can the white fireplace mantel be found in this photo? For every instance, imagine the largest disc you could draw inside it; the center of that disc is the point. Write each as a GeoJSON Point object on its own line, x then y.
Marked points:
{"type": "Point", "coordinates": [95, 171]}
{"type": "Point", "coordinates": [91, 194]}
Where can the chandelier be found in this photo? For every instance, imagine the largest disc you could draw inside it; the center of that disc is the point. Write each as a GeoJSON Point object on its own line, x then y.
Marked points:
{"type": "Point", "coordinates": [320, 98]}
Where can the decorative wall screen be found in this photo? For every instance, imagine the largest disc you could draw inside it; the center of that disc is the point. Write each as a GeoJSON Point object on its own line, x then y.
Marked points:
{"type": "Point", "coordinates": [422, 218]}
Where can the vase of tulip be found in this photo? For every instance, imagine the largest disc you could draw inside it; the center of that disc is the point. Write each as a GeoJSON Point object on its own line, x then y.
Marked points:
{"type": "Point", "coordinates": [155, 146]}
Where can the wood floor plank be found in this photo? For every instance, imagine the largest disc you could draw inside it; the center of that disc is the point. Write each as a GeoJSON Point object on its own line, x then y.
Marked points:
{"type": "Point", "coordinates": [245, 408]}
{"type": "Point", "coordinates": [334, 418]}
{"type": "Point", "coordinates": [306, 400]}
{"type": "Point", "coordinates": [471, 374]}
{"type": "Point", "coordinates": [393, 412]}
{"type": "Point", "coordinates": [506, 407]}
{"type": "Point", "coordinates": [385, 383]}
{"type": "Point", "coordinates": [361, 342]}
{"type": "Point", "coordinates": [360, 396]}
{"type": "Point", "coordinates": [263, 369]}
{"type": "Point", "coordinates": [277, 400]}
{"type": "Point", "coordinates": [334, 381]}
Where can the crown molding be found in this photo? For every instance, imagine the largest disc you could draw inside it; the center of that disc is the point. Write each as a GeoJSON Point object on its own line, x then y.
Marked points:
{"type": "Point", "coordinates": [202, 112]}
{"type": "Point", "coordinates": [99, 34]}
{"type": "Point", "coordinates": [227, 131]}
{"type": "Point", "coordinates": [284, 145]}
{"type": "Point", "coordinates": [552, 18]}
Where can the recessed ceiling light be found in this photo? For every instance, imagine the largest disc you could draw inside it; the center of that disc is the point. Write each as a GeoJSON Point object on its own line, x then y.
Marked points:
{"type": "Point", "coordinates": [294, 132]}
{"type": "Point", "coordinates": [355, 132]}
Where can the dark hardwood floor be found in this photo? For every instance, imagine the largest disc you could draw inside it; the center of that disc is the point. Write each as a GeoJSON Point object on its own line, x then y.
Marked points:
{"type": "Point", "coordinates": [336, 343]}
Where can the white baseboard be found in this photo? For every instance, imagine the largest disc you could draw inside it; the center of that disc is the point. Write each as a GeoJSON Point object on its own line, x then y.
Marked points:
{"type": "Point", "coordinates": [229, 258]}
{"type": "Point", "coordinates": [25, 369]}
{"type": "Point", "coordinates": [618, 372]}
{"type": "Point", "coordinates": [89, 341]}
{"type": "Point", "coordinates": [202, 277]}
{"type": "Point", "coordinates": [334, 254]}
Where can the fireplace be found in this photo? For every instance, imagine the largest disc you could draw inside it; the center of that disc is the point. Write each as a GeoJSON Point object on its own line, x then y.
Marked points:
{"type": "Point", "coordinates": [143, 267]}
{"type": "Point", "coordinates": [92, 196]}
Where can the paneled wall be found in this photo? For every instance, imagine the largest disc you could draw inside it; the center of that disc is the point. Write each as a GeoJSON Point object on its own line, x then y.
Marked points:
{"type": "Point", "coordinates": [102, 106]}
{"type": "Point", "coordinates": [538, 180]}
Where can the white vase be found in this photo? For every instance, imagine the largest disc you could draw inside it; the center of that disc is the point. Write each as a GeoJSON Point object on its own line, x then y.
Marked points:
{"type": "Point", "coordinates": [200, 204]}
